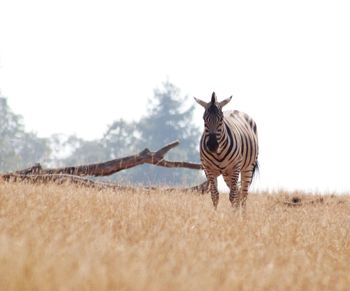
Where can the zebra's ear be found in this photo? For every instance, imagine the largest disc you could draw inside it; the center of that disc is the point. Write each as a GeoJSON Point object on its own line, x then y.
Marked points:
{"type": "Point", "coordinates": [201, 102]}
{"type": "Point", "coordinates": [224, 102]}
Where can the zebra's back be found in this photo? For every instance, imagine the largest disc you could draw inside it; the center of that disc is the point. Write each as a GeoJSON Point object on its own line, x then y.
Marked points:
{"type": "Point", "coordinates": [244, 128]}
{"type": "Point", "coordinates": [239, 117]}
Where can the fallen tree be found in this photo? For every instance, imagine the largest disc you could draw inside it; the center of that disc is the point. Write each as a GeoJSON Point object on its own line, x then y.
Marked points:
{"type": "Point", "coordinates": [75, 174]}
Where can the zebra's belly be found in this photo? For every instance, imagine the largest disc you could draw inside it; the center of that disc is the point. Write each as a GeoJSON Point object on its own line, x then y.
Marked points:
{"type": "Point", "coordinates": [219, 168]}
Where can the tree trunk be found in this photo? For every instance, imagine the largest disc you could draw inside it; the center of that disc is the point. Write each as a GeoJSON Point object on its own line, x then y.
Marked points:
{"type": "Point", "coordinates": [37, 174]}
{"type": "Point", "coordinates": [114, 166]}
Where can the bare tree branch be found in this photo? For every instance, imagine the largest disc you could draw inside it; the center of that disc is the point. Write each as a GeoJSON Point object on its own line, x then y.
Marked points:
{"type": "Point", "coordinates": [114, 166]}
{"type": "Point", "coordinates": [37, 174]}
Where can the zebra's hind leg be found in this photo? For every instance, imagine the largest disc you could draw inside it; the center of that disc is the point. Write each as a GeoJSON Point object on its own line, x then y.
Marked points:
{"type": "Point", "coordinates": [214, 191]}
{"type": "Point", "coordinates": [231, 181]}
{"type": "Point", "coordinates": [246, 179]}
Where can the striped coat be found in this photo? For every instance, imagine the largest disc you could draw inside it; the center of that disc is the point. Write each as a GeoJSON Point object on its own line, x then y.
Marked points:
{"type": "Point", "coordinates": [228, 147]}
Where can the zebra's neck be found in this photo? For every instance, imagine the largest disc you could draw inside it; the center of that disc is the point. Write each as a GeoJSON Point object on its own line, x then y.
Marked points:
{"type": "Point", "coordinates": [223, 138]}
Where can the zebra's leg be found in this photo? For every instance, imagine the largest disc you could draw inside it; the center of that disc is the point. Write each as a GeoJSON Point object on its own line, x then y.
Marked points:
{"type": "Point", "coordinates": [231, 181]}
{"type": "Point", "coordinates": [246, 178]}
{"type": "Point", "coordinates": [214, 190]}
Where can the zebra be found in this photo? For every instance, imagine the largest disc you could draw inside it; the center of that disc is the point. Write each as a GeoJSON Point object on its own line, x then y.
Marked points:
{"type": "Point", "coordinates": [228, 147]}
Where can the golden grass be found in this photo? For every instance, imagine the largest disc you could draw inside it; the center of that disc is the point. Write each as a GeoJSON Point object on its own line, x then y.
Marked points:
{"type": "Point", "coordinates": [69, 238]}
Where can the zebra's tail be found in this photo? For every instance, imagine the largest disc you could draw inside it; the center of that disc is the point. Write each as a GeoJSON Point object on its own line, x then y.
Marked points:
{"type": "Point", "coordinates": [255, 170]}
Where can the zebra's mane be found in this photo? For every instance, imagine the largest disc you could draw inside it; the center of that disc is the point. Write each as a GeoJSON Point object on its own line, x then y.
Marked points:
{"type": "Point", "coordinates": [213, 98]}
{"type": "Point", "coordinates": [214, 109]}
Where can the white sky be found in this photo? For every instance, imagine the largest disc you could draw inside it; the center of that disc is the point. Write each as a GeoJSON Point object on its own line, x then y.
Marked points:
{"type": "Point", "coordinates": [75, 66]}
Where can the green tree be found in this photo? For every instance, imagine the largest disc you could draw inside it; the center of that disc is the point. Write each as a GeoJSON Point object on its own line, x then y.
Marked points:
{"type": "Point", "coordinates": [18, 148]}
{"type": "Point", "coordinates": [170, 118]}
{"type": "Point", "coordinates": [84, 152]}
{"type": "Point", "coordinates": [121, 139]}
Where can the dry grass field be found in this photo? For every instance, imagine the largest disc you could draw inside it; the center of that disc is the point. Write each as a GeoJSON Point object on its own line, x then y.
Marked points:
{"type": "Point", "coordinates": [69, 238]}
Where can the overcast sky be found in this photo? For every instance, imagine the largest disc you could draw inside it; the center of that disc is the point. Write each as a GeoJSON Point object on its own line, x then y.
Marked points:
{"type": "Point", "coordinates": [75, 66]}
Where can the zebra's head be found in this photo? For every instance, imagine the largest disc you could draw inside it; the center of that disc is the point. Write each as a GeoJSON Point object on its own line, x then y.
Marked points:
{"type": "Point", "coordinates": [213, 120]}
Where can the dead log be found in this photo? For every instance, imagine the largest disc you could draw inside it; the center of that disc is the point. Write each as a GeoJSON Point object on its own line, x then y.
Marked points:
{"type": "Point", "coordinates": [202, 188]}
{"type": "Point", "coordinates": [37, 174]}
{"type": "Point", "coordinates": [53, 178]}
{"type": "Point", "coordinates": [60, 179]}
{"type": "Point", "coordinates": [114, 166]}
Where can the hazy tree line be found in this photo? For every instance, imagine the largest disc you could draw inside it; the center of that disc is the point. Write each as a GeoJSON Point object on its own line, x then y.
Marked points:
{"type": "Point", "coordinates": [168, 117]}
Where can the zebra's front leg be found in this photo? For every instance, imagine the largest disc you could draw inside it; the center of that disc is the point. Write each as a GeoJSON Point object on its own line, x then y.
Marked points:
{"type": "Point", "coordinates": [214, 191]}
{"type": "Point", "coordinates": [234, 193]}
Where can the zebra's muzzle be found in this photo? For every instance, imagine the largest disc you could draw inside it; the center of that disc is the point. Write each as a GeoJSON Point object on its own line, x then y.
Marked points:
{"type": "Point", "coordinates": [212, 143]}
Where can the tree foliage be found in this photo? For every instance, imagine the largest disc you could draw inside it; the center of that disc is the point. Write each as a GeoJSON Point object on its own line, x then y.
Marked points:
{"type": "Point", "coordinates": [18, 148]}
{"type": "Point", "coordinates": [168, 118]}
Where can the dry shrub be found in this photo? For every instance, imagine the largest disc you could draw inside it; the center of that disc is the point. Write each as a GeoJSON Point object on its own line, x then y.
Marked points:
{"type": "Point", "coordinates": [69, 238]}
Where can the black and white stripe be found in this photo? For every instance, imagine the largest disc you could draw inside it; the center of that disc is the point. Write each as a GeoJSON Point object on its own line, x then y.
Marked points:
{"type": "Point", "coordinates": [228, 147]}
